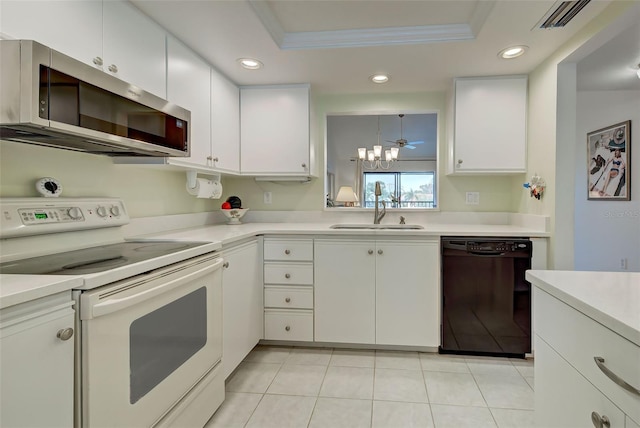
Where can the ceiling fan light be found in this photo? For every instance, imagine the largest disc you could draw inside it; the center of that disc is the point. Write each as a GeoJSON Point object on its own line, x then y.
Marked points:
{"type": "Point", "coordinates": [379, 78]}
{"type": "Point", "coordinates": [512, 52]}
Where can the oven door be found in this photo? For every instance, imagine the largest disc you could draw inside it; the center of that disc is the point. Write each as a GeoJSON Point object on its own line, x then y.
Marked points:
{"type": "Point", "coordinates": [148, 340]}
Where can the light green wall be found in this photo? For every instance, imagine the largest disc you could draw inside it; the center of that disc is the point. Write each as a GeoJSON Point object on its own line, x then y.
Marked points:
{"type": "Point", "coordinates": [495, 192]}
{"type": "Point", "coordinates": [145, 191]}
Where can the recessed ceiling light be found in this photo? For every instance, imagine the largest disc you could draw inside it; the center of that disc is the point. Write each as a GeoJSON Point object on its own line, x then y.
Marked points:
{"type": "Point", "coordinates": [512, 52]}
{"type": "Point", "coordinates": [250, 63]}
{"type": "Point", "coordinates": [379, 78]}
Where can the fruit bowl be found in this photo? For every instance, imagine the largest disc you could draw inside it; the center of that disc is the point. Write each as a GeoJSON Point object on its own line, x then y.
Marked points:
{"type": "Point", "coordinates": [234, 214]}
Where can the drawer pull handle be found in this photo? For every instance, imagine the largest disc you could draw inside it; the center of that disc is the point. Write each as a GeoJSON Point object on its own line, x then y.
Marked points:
{"type": "Point", "coordinates": [65, 334]}
{"type": "Point", "coordinates": [225, 265]}
{"type": "Point", "coordinates": [287, 328]}
{"type": "Point", "coordinates": [370, 251]}
{"type": "Point", "coordinates": [288, 299]}
{"type": "Point", "coordinates": [600, 421]}
{"type": "Point", "coordinates": [287, 275]}
{"type": "Point", "coordinates": [614, 377]}
{"type": "Point", "coordinates": [287, 252]}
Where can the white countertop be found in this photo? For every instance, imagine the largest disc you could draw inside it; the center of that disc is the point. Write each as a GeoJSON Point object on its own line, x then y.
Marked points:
{"type": "Point", "coordinates": [16, 289]}
{"type": "Point", "coordinates": [610, 298]}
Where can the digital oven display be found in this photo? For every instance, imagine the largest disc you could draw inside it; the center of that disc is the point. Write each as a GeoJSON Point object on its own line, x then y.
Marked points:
{"type": "Point", "coordinates": [41, 216]}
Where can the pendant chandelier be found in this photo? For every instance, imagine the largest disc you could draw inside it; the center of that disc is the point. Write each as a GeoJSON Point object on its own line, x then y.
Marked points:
{"type": "Point", "coordinates": [372, 159]}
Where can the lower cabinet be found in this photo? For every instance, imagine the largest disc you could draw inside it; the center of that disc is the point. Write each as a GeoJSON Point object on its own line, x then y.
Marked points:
{"type": "Point", "coordinates": [383, 292]}
{"type": "Point", "coordinates": [242, 303]}
{"type": "Point", "coordinates": [36, 363]}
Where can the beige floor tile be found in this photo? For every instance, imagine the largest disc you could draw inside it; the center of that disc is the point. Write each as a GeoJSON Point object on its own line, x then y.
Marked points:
{"type": "Point", "coordinates": [353, 358]}
{"type": "Point", "coordinates": [510, 418]}
{"type": "Point", "coordinates": [530, 381]}
{"type": "Point", "coordinates": [252, 377]}
{"type": "Point", "coordinates": [311, 356]}
{"type": "Point", "coordinates": [348, 382]}
{"type": "Point", "coordinates": [341, 413]}
{"type": "Point", "coordinates": [453, 388]}
{"type": "Point", "coordinates": [294, 379]}
{"type": "Point", "coordinates": [491, 366]}
{"type": "Point", "coordinates": [282, 411]}
{"type": "Point", "coordinates": [461, 417]}
{"type": "Point", "coordinates": [506, 391]}
{"type": "Point", "coordinates": [443, 363]}
{"type": "Point", "coordinates": [268, 354]}
{"type": "Point", "coordinates": [235, 411]}
{"type": "Point", "coordinates": [391, 414]}
{"type": "Point", "coordinates": [399, 385]}
{"type": "Point", "coordinates": [397, 360]}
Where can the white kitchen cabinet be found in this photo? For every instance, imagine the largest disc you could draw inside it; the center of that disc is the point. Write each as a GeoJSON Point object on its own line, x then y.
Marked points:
{"type": "Point", "coordinates": [569, 383]}
{"type": "Point", "coordinates": [383, 292]}
{"type": "Point", "coordinates": [490, 117]}
{"type": "Point", "coordinates": [189, 86]}
{"type": "Point", "coordinates": [225, 124]}
{"type": "Point", "coordinates": [36, 363]}
{"type": "Point", "coordinates": [111, 35]}
{"type": "Point", "coordinates": [274, 130]}
{"type": "Point", "coordinates": [288, 289]}
{"type": "Point", "coordinates": [242, 303]}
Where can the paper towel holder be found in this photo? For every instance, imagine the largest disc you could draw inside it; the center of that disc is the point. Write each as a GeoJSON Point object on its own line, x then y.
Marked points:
{"type": "Point", "coordinates": [192, 177]}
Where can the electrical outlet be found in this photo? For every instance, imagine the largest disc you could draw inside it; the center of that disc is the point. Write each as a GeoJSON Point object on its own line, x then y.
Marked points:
{"type": "Point", "coordinates": [473, 198]}
{"type": "Point", "coordinates": [267, 198]}
{"type": "Point", "coordinates": [623, 263]}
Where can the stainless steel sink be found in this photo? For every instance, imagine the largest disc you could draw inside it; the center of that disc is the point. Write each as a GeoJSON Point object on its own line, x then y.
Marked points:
{"type": "Point", "coordinates": [377, 226]}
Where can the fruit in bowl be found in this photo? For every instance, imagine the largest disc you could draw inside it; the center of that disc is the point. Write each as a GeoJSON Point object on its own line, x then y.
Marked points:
{"type": "Point", "coordinates": [234, 214]}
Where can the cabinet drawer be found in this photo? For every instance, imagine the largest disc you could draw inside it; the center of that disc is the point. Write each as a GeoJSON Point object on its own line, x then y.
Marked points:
{"type": "Point", "coordinates": [579, 339]}
{"type": "Point", "coordinates": [288, 249]}
{"type": "Point", "coordinates": [288, 273]}
{"type": "Point", "coordinates": [288, 325]}
{"type": "Point", "coordinates": [288, 297]}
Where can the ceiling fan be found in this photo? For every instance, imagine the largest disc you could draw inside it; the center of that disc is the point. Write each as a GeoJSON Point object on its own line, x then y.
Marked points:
{"type": "Point", "coordinates": [401, 142]}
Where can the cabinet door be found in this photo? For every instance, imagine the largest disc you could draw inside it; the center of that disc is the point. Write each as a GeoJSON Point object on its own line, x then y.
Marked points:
{"type": "Point", "coordinates": [189, 86]}
{"type": "Point", "coordinates": [225, 123]}
{"type": "Point", "coordinates": [135, 46]}
{"type": "Point", "coordinates": [274, 123]}
{"type": "Point", "coordinates": [344, 291]}
{"type": "Point", "coordinates": [242, 304]}
{"type": "Point", "coordinates": [563, 397]}
{"type": "Point", "coordinates": [36, 367]}
{"type": "Point", "coordinates": [71, 27]}
{"type": "Point", "coordinates": [407, 293]}
{"type": "Point", "coordinates": [490, 125]}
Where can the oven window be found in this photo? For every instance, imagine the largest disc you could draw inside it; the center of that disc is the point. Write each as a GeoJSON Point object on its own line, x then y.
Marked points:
{"type": "Point", "coordinates": [164, 339]}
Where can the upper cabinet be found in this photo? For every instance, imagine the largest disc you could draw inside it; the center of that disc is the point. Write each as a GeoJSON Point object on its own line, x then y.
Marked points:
{"type": "Point", "coordinates": [490, 117]}
{"type": "Point", "coordinates": [274, 130]}
{"type": "Point", "coordinates": [225, 123]}
{"type": "Point", "coordinates": [112, 35]}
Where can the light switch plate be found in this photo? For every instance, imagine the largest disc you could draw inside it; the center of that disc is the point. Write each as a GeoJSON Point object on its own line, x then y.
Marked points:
{"type": "Point", "coordinates": [473, 198]}
{"type": "Point", "coordinates": [267, 198]}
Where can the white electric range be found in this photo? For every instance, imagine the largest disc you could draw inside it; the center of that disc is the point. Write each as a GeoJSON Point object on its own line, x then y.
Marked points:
{"type": "Point", "coordinates": [148, 312]}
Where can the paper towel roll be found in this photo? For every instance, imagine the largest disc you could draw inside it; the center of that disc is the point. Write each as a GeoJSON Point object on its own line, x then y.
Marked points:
{"type": "Point", "coordinates": [217, 190]}
{"type": "Point", "coordinates": [205, 188]}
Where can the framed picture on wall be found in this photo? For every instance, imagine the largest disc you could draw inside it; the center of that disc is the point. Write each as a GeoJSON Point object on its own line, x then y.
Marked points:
{"type": "Point", "coordinates": [609, 163]}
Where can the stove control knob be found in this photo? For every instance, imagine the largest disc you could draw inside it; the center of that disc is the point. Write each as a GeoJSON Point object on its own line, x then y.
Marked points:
{"type": "Point", "coordinates": [75, 213]}
{"type": "Point", "coordinates": [102, 211]}
{"type": "Point", "coordinates": [115, 210]}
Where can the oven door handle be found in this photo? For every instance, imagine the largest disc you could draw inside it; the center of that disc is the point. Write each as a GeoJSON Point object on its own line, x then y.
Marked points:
{"type": "Point", "coordinates": [114, 305]}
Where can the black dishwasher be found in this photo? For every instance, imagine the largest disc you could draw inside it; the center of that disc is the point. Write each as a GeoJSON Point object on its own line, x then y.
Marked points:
{"type": "Point", "coordinates": [486, 301]}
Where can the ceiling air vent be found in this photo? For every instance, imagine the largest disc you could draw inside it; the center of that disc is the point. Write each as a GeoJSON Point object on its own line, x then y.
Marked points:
{"type": "Point", "coordinates": [561, 13]}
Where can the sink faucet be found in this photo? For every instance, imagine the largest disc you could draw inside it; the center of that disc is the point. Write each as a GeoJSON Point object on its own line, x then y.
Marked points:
{"type": "Point", "coordinates": [378, 216]}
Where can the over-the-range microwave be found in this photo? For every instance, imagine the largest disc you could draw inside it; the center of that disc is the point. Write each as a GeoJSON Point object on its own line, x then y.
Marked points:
{"type": "Point", "coordinates": [50, 99]}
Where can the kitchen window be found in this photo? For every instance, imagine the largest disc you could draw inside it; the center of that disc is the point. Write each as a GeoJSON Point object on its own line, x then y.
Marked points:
{"type": "Point", "coordinates": [401, 189]}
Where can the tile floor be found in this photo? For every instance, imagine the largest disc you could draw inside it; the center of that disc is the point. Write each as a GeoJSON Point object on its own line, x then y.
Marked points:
{"type": "Point", "coordinates": [332, 388]}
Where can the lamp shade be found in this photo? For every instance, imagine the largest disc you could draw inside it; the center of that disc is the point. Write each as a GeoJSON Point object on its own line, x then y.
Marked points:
{"type": "Point", "coordinates": [346, 195]}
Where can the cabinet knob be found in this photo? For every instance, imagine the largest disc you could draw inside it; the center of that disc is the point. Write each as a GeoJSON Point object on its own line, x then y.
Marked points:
{"type": "Point", "coordinates": [65, 333]}
{"type": "Point", "coordinates": [370, 251]}
{"type": "Point", "coordinates": [600, 421]}
{"type": "Point", "coordinates": [459, 160]}
{"type": "Point", "coordinates": [288, 299]}
{"type": "Point", "coordinates": [97, 61]}
{"type": "Point", "coordinates": [209, 158]}
{"type": "Point", "coordinates": [304, 165]}
{"type": "Point", "coordinates": [225, 264]}
{"type": "Point", "coordinates": [287, 328]}
{"type": "Point", "coordinates": [113, 68]}
{"type": "Point", "coordinates": [287, 275]}
{"type": "Point", "coordinates": [216, 159]}
{"type": "Point", "coordinates": [380, 251]}
{"type": "Point", "coordinates": [287, 252]}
